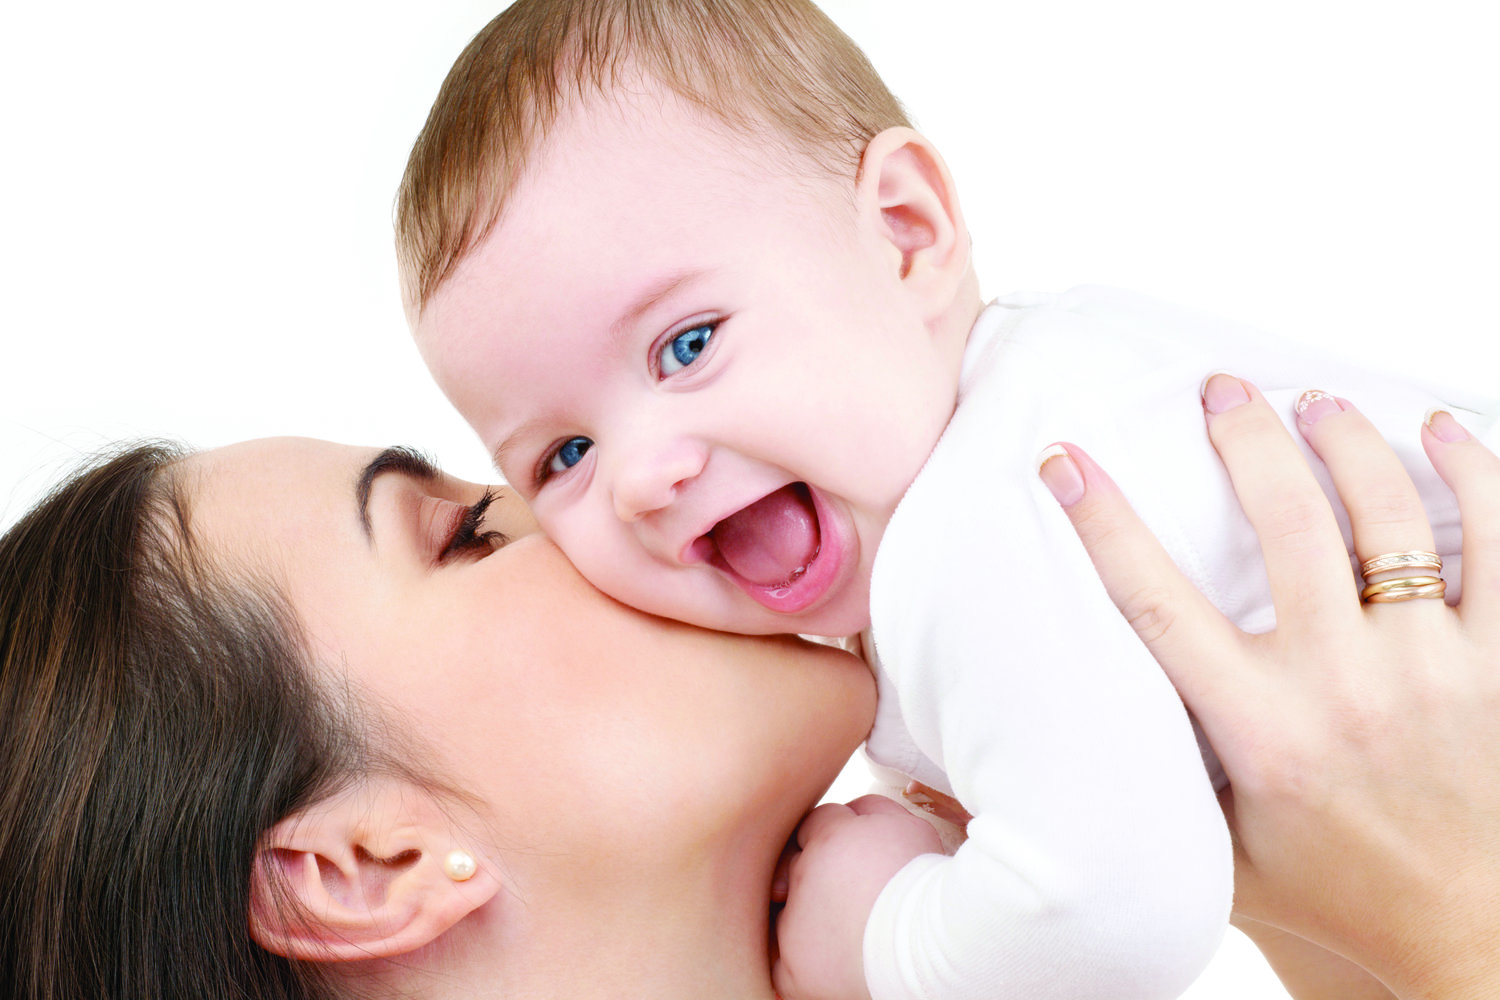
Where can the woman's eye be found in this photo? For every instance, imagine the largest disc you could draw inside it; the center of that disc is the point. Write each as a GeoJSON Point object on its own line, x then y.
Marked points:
{"type": "Point", "coordinates": [468, 535]}
{"type": "Point", "coordinates": [569, 454]}
{"type": "Point", "coordinates": [683, 349]}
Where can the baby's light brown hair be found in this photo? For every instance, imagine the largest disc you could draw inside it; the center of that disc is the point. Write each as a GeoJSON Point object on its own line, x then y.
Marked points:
{"type": "Point", "coordinates": [778, 71]}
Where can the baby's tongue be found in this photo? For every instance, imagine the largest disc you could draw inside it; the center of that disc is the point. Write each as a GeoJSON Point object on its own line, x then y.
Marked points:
{"type": "Point", "coordinates": [771, 541]}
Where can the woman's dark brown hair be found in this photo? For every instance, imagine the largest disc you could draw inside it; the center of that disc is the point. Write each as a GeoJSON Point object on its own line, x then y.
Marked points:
{"type": "Point", "coordinates": [155, 719]}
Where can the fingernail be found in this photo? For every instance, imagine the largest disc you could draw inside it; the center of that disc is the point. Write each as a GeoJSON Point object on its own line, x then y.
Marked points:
{"type": "Point", "coordinates": [1061, 475]}
{"type": "Point", "coordinates": [1315, 404]}
{"type": "Point", "coordinates": [1444, 427]}
{"type": "Point", "coordinates": [1223, 392]}
{"type": "Point", "coordinates": [913, 794]}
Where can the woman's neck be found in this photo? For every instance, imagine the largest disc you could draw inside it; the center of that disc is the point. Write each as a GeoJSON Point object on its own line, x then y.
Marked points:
{"type": "Point", "coordinates": [697, 933]}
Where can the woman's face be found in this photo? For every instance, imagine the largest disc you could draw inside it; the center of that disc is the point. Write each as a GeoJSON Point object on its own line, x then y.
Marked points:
{"type": "Point", "coordinates": [581, 722]}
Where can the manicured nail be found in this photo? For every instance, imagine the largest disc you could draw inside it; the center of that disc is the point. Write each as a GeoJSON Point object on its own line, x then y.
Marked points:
{"type": "Point", "coordinates": [914, 794]}
{"type": "Point", "coordinates": [1061, 475]}
{"type": "Point", "coordinates": [1315, 404]}
{"type": "Point", "coordinates": [1444, 427]}
{"type": "Point", "coordinates": [1223, 392]}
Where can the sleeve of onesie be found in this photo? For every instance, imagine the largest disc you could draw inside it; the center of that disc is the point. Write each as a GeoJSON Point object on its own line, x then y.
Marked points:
{"type": "Point", "coordinates": [1098, 863]}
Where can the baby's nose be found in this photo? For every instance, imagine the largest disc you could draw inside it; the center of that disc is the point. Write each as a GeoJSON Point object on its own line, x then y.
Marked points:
{"type": "Point", "coordinates": [650, 477]}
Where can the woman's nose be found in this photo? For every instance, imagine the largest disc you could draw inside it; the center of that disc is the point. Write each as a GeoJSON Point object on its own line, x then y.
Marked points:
{"type": "Point", "coordinates": [650, 474]}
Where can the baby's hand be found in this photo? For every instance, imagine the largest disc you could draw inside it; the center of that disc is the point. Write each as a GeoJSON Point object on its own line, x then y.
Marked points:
{"type": "Point", "coordinates": [846, 855]}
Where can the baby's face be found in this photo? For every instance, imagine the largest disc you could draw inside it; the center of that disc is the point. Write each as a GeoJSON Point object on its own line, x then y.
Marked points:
{"type": "Point", "coordinates": [699, 366]}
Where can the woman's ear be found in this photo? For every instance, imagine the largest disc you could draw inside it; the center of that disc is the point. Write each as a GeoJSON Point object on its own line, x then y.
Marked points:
{"type": "Point", "coordinates": [905, 190]}
{"type": "Point", "coordinates": [365, 874]}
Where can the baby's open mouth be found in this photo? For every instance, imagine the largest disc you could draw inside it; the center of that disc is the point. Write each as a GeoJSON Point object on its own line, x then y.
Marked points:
{"type": "Point", "coordinates": [771, 542]}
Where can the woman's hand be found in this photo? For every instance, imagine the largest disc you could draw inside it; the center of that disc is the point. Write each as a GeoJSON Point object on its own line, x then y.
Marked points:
{"type": "Point", "coordinates": [1362, 741]}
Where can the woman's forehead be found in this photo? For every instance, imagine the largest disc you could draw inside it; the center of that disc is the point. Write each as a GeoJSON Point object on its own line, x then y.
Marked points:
{"type": "Point", "coordinates": [273, 498]}
{"type": "Point", "coordinates": [317, 509]}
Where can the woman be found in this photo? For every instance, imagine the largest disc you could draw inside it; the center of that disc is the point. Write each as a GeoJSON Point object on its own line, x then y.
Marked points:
{"type": "Point", "coordinates": [318, 706]}
{"type": "Point", "coordinates": [290, 690]}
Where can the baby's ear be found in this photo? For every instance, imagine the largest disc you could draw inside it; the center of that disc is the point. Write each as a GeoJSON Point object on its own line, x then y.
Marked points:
{"type": "Point", "coordinates": [905, 190]}
{"type": "Point", "coordinates": [370, 873]}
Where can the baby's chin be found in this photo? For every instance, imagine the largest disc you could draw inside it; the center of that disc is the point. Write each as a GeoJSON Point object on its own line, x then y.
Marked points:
{"type": "Point", "coordinates": [840, 628]}
{"type": "Point", "coordinates": [826, 629]}
{"type": "Point", "coordinates": [829, 626]}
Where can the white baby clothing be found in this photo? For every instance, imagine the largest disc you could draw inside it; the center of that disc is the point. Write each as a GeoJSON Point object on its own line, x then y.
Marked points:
{"type": "Point", "coordinates": [1098, 863]}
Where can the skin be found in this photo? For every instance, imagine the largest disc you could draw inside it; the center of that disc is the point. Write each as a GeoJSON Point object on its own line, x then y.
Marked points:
{"type": "Point", "coordinates": [631, 781]}
{"type": "Point", "coordinates": [831, 314]}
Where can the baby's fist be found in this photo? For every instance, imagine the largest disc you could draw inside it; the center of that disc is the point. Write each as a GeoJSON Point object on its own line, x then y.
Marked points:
{"type": "Point", "coordinates": [846, 854]}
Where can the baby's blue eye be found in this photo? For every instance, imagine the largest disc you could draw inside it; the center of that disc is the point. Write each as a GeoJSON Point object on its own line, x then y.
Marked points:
{"type": "Point", "coordinates": [683, 349]}
{"type": "Point", "coordinates": [570, 454]}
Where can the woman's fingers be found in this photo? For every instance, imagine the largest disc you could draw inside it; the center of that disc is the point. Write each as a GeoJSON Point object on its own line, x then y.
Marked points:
{"type": "Point", "coordinates": [1384, 509]}
{"type": "Point", "coordinates": [1472, 472]}
{"type": "Point", "coordinates": [1305, 557]}
{"type": "Point", "coordinates": [1185, 633]}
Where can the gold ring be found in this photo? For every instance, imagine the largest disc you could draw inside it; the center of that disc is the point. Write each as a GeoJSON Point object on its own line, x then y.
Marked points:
{"type": "Point", "coordinates": [1405, 588]}
{"type": "Point", "coordinates": [1401, 560]}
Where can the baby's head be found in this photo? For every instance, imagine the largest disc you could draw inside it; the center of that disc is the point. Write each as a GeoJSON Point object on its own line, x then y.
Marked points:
{"type": "Point", "coordinates": [688, 272]}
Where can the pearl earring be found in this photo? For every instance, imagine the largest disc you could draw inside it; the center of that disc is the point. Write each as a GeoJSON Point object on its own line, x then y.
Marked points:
{"type": "Point", "coordinates": [460, 866]}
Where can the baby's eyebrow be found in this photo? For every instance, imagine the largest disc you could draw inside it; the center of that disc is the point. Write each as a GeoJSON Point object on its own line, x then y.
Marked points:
{"type": "Point", "coordinates": [513, 442]}
{"type": "Point", "coordinates": [653, 294]}
{"type": "Point", "coordinates": [401, 460]}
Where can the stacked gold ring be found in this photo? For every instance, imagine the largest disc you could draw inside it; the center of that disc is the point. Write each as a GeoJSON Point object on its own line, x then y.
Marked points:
{"type": "Point", "coordinates": [1405, 588]}
{"type": "Point", "coordinates": [1401, 560]}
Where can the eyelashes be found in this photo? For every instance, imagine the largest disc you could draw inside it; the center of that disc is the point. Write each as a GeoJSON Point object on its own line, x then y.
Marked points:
{"type": "Point", "coordinates": [467, 536]}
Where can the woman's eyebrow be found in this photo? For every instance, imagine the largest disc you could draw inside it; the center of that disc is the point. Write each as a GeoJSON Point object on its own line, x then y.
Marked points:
{"type": "Point", "coordinates": [400, 460]}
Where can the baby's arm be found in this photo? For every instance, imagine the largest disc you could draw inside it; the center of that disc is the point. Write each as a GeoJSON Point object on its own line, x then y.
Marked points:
{"type": "Point", "coordinates": [846, 854]}
{"type": "Point", "coordinates": [1098, 864]}
{"type": "Point", "coordinates": [1092, 869]}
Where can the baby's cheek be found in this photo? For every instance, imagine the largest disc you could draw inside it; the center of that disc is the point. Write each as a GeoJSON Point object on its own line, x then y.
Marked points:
{"type": "Point", "coordinates": [568, 532]}
{"type": "Point", "coordinates": [611, 564]}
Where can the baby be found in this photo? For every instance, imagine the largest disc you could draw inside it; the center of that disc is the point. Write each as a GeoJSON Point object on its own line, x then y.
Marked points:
{"type": "Point", "coordinates": [707, 298]}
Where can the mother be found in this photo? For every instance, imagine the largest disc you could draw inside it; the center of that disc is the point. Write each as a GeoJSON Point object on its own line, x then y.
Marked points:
{"type": "Point", "coordinates": [290, 693]}
{"type": "Point", "coordinates": [291, 719]}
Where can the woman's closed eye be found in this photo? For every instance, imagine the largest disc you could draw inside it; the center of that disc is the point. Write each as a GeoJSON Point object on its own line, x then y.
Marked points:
{"type": "Point", "coordinates": [684, 348]}
{"type": "Point", "coordinates": [467, 535]}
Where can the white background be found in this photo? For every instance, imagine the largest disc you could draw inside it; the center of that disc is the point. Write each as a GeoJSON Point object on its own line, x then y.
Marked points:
{"type": "Point", "coordinates": [196, 234]}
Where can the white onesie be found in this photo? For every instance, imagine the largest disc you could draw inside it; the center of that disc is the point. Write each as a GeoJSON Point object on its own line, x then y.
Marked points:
{"type": "Point", "coordinates": [1098, 863]}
